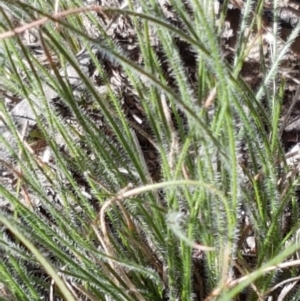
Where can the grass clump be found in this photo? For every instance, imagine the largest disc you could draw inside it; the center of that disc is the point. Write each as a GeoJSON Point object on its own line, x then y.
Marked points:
{"type": "Point", "coordinates": [145, 164]}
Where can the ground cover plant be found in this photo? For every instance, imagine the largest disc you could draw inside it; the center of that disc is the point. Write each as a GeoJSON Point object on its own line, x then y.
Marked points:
{"type": "Point", "coordinates": [147, 151]}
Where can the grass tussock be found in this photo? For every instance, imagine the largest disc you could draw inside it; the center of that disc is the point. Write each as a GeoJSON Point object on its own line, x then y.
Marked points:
{"type": "Point", "coordinates": [142, 152]}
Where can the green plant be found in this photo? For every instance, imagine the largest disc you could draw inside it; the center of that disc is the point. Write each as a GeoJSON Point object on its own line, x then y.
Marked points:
{"type": "Point", "coordinates": [157, 162]}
